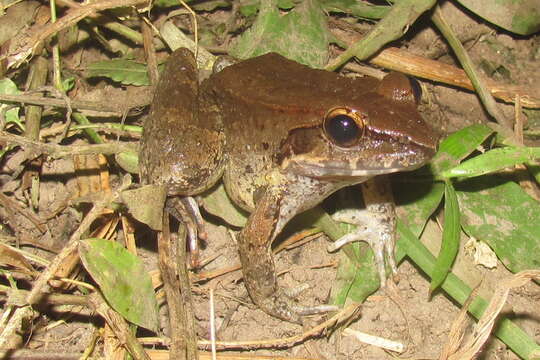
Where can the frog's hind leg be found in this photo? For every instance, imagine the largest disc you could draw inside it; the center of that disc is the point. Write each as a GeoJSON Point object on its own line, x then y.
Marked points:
{"type": "Point", "coordinates": [254, 245]}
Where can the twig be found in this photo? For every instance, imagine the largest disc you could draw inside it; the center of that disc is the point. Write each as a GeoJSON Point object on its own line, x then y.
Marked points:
{"type": "Point", "coordinates": [150, 52]}
{"type": "Point", "coordinates": [403, 61]}
{"type": "Point", "coordinates": [132, 131]}
{"type": "Point", "coordinates": [36, 148]}
{"type": "Point", "coordinates": [90, 108]}
{"type": "Point", "coordinates": [18, 56]}
{"type": "Point", "coordinates": [51, 299]}
{"type": "Point", "coordinates": [172, 264]}
{"type": "Point", "coordinates": [36, 79]}
{"type": "Point", "coordinates": [8, 203]}
{"type": "Point", "coordinates": [340, 317]}
{"type": "Point", "coordinates": [119, 326]}
{"type": "Point", "coordinates": [212, 324]}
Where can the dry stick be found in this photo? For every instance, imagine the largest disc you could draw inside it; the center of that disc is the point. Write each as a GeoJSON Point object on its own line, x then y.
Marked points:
{"type": "Point", "coordinates": [50, 299]}
{"type": "Point", "coordinates": [172, 259]}
{"type": "Point", "coordinates": [119, 326]}
{"type": "Point", "coordinates": [10, 204]}
{"type": "Point", "coordinates": [36, 148]}
{"type": "Point", "coordinates": [188, 312]}
{"type": "Point", "coordinates": [18, 56]}
{"type": "Point", "coordinates": [167, 268]}
{"type": "Point", "coordinates": [403, 61]}
{"type": "Point", "coordinates": [164, 355]}
{"type": "Point", "coordinates": [458, 327]}
{"type": "Point", "coordinates": [344, 316]}
{"type": "Point", "coordinates": [90, 108]}
{"type": "Point", "coordinates": [150, 52]}
{"type": "Point", "coordinates": [465, 60]}
{"type": "Point", "coordinates": [36, 79]}
{"type": "Point", "coordinates": [108, 23]}
{"type": "Point", "coordinates": [341, 317]}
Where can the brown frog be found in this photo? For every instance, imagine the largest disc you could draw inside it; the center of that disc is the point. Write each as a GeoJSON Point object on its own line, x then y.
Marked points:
{"type": "Point", "coordinates": [283, 137]}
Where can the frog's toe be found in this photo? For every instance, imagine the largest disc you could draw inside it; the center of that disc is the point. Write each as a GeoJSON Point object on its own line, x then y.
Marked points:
{"type": "Point", "coordinates": [382, 244]}
{"type": "Point", "coordinates": [293, 293]}
{"type": "Point", "coordinates": [282, 306]}
{"type": "Point", "coordinates": [186, 210]}
{"type": "Point", "coordinates": [315, 310]}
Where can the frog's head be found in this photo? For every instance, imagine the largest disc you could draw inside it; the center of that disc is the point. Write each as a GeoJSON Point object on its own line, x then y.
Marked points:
{"type": "Point", "coordinates": [378, 133]}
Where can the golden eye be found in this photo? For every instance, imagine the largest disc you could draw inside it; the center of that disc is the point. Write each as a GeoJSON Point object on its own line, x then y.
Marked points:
{"type": "Point", "coordinates": [343, 126]}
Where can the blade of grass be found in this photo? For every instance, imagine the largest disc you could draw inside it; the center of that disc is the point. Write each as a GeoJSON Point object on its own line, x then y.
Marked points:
{"type": "Point", "coordinates": [92, 134]}
{"type": "Point", "coordinates": [493, 160]}
{"type": "Point", "coordinates": [465, 61]}
{"type": "Point", "coordinates": [390, 28]}
{"type": "Point", "coordinates": [450, 238]}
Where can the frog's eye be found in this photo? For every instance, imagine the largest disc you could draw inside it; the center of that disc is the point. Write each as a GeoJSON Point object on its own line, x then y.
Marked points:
{"type": "Point", "coordinates": [343, 127]}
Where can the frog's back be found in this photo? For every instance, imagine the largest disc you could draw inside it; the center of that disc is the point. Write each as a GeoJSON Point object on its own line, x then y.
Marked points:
{"type": "Point", "coordinates": [280, 84]}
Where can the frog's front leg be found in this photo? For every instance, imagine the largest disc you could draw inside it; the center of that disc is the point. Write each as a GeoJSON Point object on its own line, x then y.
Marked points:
{"type": "Point", "coordinates": [254, 246]}
{"type": "Point", "coordinates": [377, 224]}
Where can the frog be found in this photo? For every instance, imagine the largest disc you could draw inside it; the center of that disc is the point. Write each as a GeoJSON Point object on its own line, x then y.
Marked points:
{"type": "Point", "coordinates": [282, 137]}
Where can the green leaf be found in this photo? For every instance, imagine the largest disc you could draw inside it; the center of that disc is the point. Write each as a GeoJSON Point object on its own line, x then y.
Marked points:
{"type": "Point", "coordinates": [248, 9]}
{"type": "Point", "coordinates": [356, 8]}
{"type": "Point", "coordinates": [8, 87]}
{"type": "Point", "coordinates": [126, 72]}
{"type": "Point", "coordinates": [122, 279]}
{"type": "Point", "coordinates": [417, 201]}
{"type": "Point", "coordinates": [129, 161]}
{"type": "Point", "coordinates": [459, 145]}
{"type": "Point", "coordinates": [518, 16]}
{"type": "Point", "coordinates": [68, 83]}
{"type": "Point", "coordinates": [500, 213]}
{"type": "Point", "coordinates": [356, 276]}
{"type": "Point", "coordinates": [300, 35]}
{"type": "Point", "coordinates": [450, 238]}
{"type": "Point", "coordinates": [146, 204]}
{"type": "Point", "coordinates": [217, 202]}
{"type": "Point", "coordinates": [494, 160]}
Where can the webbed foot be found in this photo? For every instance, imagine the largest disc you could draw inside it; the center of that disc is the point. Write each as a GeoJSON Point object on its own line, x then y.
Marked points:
{"type": "Point", "coordinates": [376, 225]}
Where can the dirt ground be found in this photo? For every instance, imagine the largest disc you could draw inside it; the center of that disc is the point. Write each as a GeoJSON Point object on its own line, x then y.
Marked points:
{"type": "Point", "coordinates": [420, 323]}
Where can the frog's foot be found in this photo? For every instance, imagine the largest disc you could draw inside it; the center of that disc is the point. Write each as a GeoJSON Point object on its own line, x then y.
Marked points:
{"type": "Point", "coordinates": [377, 228]}
{"type": "Point", "coordinates": [283, 306]}
{"type": "Point", "coordinates": [186, 210]}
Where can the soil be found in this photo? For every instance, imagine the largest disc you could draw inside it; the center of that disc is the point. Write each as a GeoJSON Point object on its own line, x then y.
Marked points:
{"type": "Point", "coordinates": [421, 323]}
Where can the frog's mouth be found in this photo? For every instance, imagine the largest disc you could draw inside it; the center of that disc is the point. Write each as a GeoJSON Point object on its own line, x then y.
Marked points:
{"type": "Point", "coordinates": [318, 171]}
{"type": "Point", "coordinates": [356, 168]}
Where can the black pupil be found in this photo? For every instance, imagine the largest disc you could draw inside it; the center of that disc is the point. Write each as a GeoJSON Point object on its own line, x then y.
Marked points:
{"type": "Point", "coordinates": [342, 129]}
